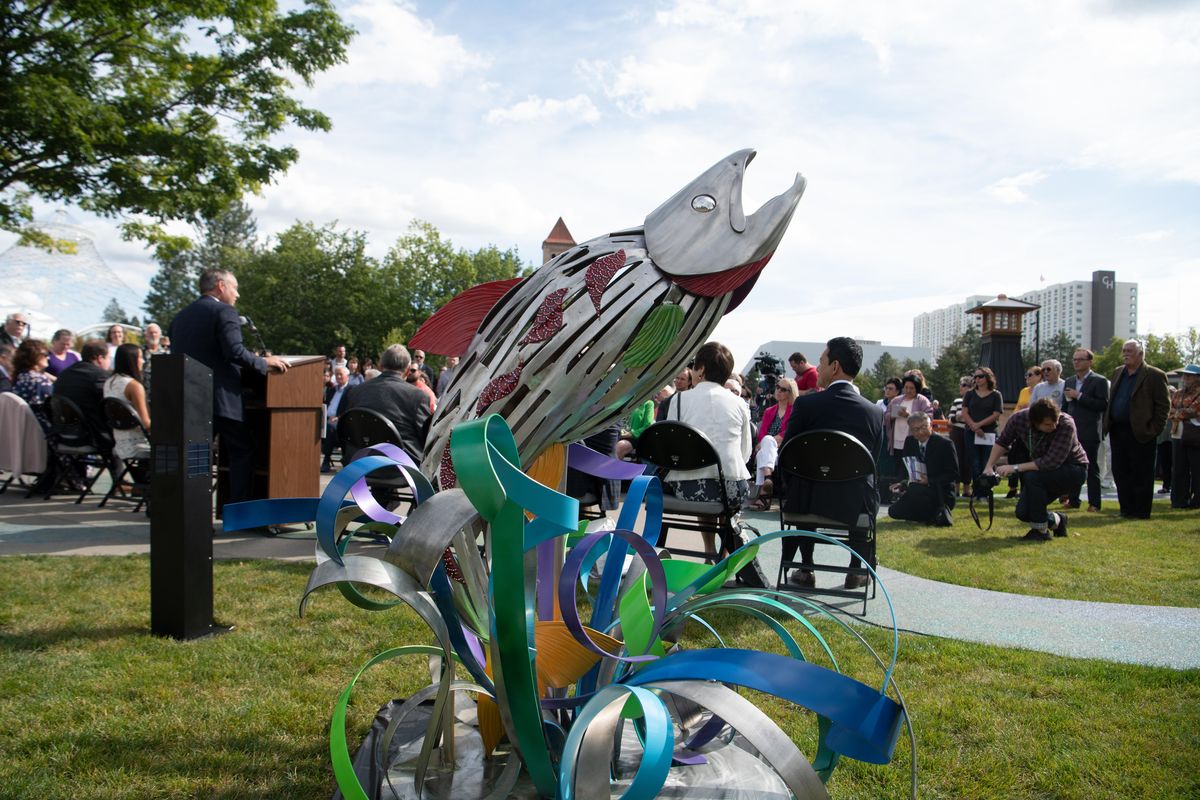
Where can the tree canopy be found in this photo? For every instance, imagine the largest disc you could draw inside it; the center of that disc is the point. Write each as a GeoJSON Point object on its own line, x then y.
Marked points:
{"type": "Point", "coordinates": [316, 286]}
{"type": "Point", "coordinates": [959, 358]}
{"type": "Point", "coordinates": [226, 241]}
{"type": "Point", "coordinates": [163, 110]}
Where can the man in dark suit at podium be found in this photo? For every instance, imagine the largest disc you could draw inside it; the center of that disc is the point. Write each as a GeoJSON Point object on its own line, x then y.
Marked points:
{"type": "Point", "coordinates": [840, 407]}
{"type": "Point", "coordinates": [210, 331]}
{"type": "Point", "coordinates": [929, 496]}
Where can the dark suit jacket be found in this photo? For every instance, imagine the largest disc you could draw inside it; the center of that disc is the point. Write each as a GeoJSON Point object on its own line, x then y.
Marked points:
{"type": "Point", "coordinates": [1088, 410]}
{"type": "Point", "coordinates": [400, 401]}
{"type": "Point", "coordinates": [1148, 406]}
{"type": "Point", "coordinates": [83, 383]}
{"type": "Point", "coordinates": [941, 462]}
{"type": "Point", "coordinates": [5, 381]}
{"type": "Point", "coordinates": [208, 331]}
{"type": "Point", "coordinates": [838, 408]}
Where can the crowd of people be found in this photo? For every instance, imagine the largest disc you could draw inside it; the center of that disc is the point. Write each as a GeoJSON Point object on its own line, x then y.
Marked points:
{"type": "Point", "coordinates": [37, 371]}
{"type": "Point", "coordinates": [1056, 444]}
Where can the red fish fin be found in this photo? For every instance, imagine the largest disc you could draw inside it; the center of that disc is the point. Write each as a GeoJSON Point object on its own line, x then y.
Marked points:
{"type": "Point", "coordinates": [449, 331]}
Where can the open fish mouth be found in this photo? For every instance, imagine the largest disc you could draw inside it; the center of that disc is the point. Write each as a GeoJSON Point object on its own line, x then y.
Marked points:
{"type": "Point", "coordinates": [702, 238]}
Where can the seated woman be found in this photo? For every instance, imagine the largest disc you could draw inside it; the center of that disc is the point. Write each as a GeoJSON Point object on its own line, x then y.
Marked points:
{"type": "Point", "coordinates": [125, 383]}
{"type": "Point", "coordinates": [32, 383]}
{"type": "Point", "coordinates": [61, 354]}
{"type": "Point", "coordinates": [709, 407]}
{"type": "Point", "coordinates": [642, 417]}
{"type": "Point", "coordinates": [770, 436]}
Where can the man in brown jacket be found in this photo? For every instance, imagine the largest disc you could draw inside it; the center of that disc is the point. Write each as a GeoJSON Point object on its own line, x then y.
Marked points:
{"type": "Point", "coordinates": [1138, 403]}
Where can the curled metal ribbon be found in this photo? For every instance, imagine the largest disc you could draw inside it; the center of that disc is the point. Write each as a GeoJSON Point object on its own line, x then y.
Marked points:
{"type": "Point", "coordinates": [485, 615]}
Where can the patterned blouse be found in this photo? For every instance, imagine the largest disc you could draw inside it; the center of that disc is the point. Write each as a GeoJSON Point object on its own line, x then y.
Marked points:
{"type": "Point", "coordinates": [35, 388]}
{"type": "Point", "coordinates": [1189, 404]}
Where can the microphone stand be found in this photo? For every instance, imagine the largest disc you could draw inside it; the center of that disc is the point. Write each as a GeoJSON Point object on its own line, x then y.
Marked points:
{"type": "Point", "coordinates": [262, 346]}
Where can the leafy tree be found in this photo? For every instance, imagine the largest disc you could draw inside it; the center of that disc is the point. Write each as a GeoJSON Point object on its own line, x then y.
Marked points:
{"type": "Point", "coordinates": [426, 271]}
{"type": "Point", "coordinates": [164, 109]}
{"type": "Point", "coordinates": [958, 358]}
{"type": "Point", "coordinates": [867, 387]}
{"type": "Point", "coordinates": [885, 367]}
{"type": "Point", "coordinates": [1189, 346]}
{"type": "Point", "coordinates": [227, 241]}
{"type": "Point", "coordinates": [1108, 359]}
{"type": "Point", "coordinates": [314, 287]}
{"type": "Point", "coordinates": [1163, 352]}
{"type": "Point", "coordinates": [114, 313]}
{"type": "Point", "coordinates": [1061, 347]}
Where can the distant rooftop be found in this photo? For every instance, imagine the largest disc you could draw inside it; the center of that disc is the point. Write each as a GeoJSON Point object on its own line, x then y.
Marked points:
{"type": "Point", "coordinates": [560, 235]}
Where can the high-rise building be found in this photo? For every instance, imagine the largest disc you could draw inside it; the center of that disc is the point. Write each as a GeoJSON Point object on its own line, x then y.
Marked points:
{"type": "Point", "coordinates": [1090, 312]}
{"type": "Point", "coordinates": [933, 330]}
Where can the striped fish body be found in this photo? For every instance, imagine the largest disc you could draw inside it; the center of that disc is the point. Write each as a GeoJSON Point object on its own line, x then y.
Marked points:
{"type": "Point", "coordinates": [602, 327]}
{"type": "Point", "coordinates": [575, 382]}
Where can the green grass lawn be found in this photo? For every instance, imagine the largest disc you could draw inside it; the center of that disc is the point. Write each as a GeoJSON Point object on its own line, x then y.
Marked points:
{"type": "Point", "coordinates": [93, 706]}
{"type": "Point", "coordinates": [1105, 558]}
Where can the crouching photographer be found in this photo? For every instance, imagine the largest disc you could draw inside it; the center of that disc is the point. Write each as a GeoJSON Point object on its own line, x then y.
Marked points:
{"type": "Point", "coordinates": [1049, 460]}
{"type": "Point", "coordinates": [932, 465]}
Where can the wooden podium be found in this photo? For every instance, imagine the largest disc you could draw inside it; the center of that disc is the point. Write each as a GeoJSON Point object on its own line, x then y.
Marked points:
{"type": "Point", "coordinates": [284, 412]}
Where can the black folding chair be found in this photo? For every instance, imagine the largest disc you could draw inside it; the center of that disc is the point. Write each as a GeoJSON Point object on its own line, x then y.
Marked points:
{"type": "Point", "coordinates": [73, 441]}
{"type": "Point", "coordinates": [674, 445]}
{"type": "Point", "coordinates": [121, 416]}
{"type": "Point", "coordinates": [362, 427]}
{"type": "Point", "coordinates": [828, 456]}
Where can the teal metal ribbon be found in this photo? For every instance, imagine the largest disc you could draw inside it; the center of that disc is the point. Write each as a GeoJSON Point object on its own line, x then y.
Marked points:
{"type": "Point", "coordinates": [571, 760]}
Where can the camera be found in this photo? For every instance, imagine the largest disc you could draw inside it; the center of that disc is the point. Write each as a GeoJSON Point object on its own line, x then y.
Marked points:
{"type": "Point", "coordinates": [986, 482]}
{"type": "Point", "coordinates": [770, 369]}
{"type": "Point", "coordinates": [768, 364]}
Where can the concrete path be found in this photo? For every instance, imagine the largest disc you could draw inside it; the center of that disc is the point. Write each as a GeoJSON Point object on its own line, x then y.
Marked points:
{"type": "Point", "coordinates": [1153, 635]}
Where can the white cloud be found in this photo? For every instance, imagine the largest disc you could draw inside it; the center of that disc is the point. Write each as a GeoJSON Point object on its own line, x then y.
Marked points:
{"type": "Point", "coordinates": [396, 46]}
{"type": "Point", "coordinates": [576, 109]}
{"type": "Point", "coordinates": [1012, 189]}
{"type": "Point", "coordinates": [1148, 236]}
{"type": "Point", "coordinates": [653, 86]}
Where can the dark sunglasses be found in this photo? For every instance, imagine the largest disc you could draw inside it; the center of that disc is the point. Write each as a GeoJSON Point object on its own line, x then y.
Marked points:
{"type": "Point", "coordinates": [977, 377]}
{"type": "Point", "coordinates": [1032, 375]}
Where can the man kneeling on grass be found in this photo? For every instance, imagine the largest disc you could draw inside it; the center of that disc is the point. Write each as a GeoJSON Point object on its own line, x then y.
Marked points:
{"type": "Point", "coordinates": [932, 466]}
{"type": "Point", "coordinates": [1046, 454]}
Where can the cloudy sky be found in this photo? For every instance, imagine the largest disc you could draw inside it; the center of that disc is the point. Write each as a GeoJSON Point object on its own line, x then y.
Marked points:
{"type": "Point", "coordinates": [950, 148]}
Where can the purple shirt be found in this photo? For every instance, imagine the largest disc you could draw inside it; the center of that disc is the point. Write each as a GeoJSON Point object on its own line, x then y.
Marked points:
{"type": "Point", "coordinates": [57, 364]}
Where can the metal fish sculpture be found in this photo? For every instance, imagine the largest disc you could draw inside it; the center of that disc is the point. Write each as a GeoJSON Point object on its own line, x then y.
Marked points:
{"type": "Point", "coordinates": [603, 326]}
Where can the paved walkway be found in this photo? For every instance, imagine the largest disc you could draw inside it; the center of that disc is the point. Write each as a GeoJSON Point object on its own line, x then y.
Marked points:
{"type": "Point", "coordinates": [1154, 635]}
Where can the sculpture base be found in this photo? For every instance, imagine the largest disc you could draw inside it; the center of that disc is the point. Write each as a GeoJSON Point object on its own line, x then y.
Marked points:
{"type": "Point", "coordinates": [732, 771]}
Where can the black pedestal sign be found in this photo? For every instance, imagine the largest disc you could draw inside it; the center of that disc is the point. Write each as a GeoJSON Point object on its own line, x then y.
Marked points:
{"type": "Point", "coordinates": [181, 528]}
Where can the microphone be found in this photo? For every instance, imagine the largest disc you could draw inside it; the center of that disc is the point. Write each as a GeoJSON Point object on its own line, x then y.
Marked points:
{"type": "Point", "coordinates": [249, 323]}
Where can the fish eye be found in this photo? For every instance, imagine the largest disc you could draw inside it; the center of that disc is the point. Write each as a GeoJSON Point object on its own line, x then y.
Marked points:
{"type": "Point", "coordinates": [703, 203]}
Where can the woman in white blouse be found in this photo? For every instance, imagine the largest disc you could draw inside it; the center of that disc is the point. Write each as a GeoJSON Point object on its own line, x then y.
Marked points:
{"type": "Point", "coordinates": [725, 419]}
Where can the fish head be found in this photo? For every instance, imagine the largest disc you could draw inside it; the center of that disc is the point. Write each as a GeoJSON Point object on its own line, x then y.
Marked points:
{"type": "Point", "coordinates": [702, 239]}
